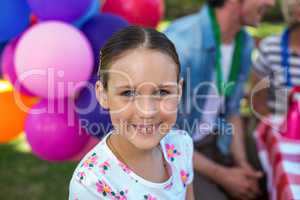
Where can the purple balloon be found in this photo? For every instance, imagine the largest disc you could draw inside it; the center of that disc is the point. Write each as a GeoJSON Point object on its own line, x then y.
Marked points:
{"type": "Point", "coordinates": [99, 29]}
{"type": "Point", "coordinates": [92, 11]}
{"type": "Point", "coordinates": [63, 10]}
{"type": "Point", "coordinates": [8, 67]}
{"type": "Point", "coordinates": [52, 130]}
{"type": "Point", "coordinates": [94, 119]}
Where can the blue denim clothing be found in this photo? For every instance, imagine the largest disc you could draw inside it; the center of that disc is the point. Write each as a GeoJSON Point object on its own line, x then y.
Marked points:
{"type": "Point", "coordinates": [194, 40]}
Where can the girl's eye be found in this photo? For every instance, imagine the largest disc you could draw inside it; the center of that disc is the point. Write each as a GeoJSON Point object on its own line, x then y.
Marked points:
{"type": "Point", "coordinates": [128, 93]}
{"type": "Point", "coordinates": [162, 92]}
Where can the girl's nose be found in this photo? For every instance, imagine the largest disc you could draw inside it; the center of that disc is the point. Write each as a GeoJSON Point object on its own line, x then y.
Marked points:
{"type": "Point", "coordinates": [146, 106]}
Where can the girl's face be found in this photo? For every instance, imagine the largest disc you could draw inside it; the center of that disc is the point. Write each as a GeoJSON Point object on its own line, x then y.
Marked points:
{"type": "Point", "coordinates": [142, 96]}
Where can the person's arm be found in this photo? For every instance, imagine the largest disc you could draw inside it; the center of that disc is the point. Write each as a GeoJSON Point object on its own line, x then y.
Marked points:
{"type": "Point", "coordinates": [258, 94]}
{"type": "Point", "coordinates": [213, 170]}
{"type": "Point", "coordinates": [238, 145]}
{"type": "Point", "coordinates": [238, 150]}
{"type": "Point", "coordinates": [206, 167]}
{"type": "Point", "coordinates": [259, 81]}
{"type": "Point", "coordinates": [234, 180]}
{"type": "Point", "coordinates": [190, 192]}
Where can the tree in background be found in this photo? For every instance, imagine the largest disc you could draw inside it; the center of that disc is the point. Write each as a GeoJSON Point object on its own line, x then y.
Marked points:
{"type": "Point", "coordinates": [178, 8]}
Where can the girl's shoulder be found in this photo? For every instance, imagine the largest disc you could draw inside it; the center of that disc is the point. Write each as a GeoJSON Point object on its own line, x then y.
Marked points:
{"type": "Point", "coordinates": [178, 136]}
{"type": "Point", "coordinates": [178, 142]}
{"type": "Point", "coordinates": [94, 174]}
{"type": "Point", "coordinates": [95, 161]}
{"type": "Point", "coordinates": [178, 148]}
{"type": "Point", "coordinates": [94, 156]}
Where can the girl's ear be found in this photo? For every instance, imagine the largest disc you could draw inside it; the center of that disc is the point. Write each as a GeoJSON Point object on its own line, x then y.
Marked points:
{"type": "Point", "coordinates": [180, 86]}
{"type": "Point", "coordinates": [101, 94]}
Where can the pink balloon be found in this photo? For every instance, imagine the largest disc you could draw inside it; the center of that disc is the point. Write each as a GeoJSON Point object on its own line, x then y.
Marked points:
{"type": "Point", "coordinates": [53, 60]}
{"type": "Point", "coordinates": [8, 67]}
{"type": "Point", "coordinates": [92, 142]}
{"type": "Point", "coordinates": [146, 13]}
{"type": "Point", "coordinates": [53, 132]}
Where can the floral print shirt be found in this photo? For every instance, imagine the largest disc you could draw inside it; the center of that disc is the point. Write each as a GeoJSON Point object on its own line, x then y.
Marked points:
{"type": "Point", "coordinates": [100, 175]}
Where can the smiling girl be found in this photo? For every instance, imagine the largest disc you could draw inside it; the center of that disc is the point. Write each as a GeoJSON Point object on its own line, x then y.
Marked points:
{"type": "Point", "coordinates": [143, 157]}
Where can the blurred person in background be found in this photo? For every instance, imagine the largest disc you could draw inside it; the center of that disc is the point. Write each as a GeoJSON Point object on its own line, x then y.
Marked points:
{"type": "Point", "coordinates": [277, 66]}
{"type": "Point", "coordinates": [215, 54]}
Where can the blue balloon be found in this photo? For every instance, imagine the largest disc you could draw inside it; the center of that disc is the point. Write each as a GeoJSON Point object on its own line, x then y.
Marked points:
{"type": "Point", "coordinates": [2, 45]}
{"type": "Point", "coordinates": [94, 119]}
{"type": "Point", "coordinates": [92, 11]}
{"type": "Point", "coordinates": [99, 29]}
{"type": "Point", "coordinates": [14, 18]}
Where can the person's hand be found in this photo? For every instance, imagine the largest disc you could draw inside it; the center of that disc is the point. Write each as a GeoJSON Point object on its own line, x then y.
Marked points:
{"type": "Point", "coordinates": [253, 174]}
{"type": "Point", "coordinates": [240, 183]}
{"type": "Point", "coordinates": [251, 171]}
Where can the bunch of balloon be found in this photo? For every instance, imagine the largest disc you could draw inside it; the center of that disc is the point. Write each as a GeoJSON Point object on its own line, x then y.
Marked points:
{"type": "Point", "coordinates": [51, 54]}
{"type": "Point", "coordinates": [53, 60]}
{"type": "Point", "coordinates": [47, 58]}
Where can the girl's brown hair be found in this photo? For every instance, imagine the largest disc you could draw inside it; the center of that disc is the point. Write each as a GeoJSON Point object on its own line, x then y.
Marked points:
{"type": "Point", "coordinates": [133, 37]}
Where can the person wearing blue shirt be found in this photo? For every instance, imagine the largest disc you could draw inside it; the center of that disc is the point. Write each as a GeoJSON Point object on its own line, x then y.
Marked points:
{"type": "Point", "coordinates": [215, 55]}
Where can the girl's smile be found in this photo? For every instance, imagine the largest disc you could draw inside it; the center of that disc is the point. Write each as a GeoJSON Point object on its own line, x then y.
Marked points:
{"type": "Point", "coordinates": [146, 128]}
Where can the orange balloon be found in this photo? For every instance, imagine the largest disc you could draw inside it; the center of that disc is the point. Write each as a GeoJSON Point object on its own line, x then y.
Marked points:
{"type": "Point", "coordinates": [13, 110]}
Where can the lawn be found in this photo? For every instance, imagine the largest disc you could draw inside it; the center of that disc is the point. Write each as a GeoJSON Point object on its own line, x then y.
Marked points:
{"type": "Point", "coordinates": [24, 176]}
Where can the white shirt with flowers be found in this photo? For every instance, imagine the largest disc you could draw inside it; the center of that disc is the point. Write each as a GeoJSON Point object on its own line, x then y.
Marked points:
{"type": "Point", "coordinates": [100, 175]}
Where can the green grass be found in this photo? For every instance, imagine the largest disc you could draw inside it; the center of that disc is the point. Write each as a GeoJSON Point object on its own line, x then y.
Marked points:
{"type": "Point", "coordinates": [24, 176]}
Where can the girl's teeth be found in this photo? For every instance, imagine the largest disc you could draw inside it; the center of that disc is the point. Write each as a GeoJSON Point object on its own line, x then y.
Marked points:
{"type": "Point", "coordinates": [145, 129]}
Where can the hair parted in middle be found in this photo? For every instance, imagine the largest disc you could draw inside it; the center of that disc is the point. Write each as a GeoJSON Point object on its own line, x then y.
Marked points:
{"type": "Point", "coordinates": [130, 38]}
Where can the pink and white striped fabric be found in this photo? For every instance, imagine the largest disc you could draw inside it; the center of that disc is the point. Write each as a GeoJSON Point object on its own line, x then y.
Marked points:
{"type": "Point", "coordinates": [280, 158]}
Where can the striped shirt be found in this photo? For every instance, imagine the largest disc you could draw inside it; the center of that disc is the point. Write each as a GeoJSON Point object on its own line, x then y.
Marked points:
{"type": "Point", "coordinates": [268, 64]}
